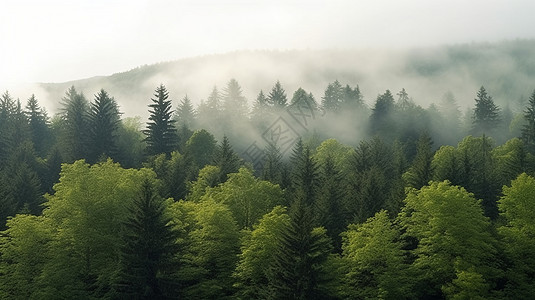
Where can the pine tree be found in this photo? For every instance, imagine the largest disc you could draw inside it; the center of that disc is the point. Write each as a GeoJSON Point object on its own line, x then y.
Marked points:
{"type": "Point", "coordinates": [103, 125]}
{"type": "Point", "coordinates": [329, 205]}
{"type": "Point", "coordinates": [297, 270]}
{"type": "Point", "coordinates": [486, 117]}
{"type": "Point", "coordinates": [161, 132]}
{"type": "Point", "coordinates": [39, 130]}
{"type": "Point", "coordinates": [148, 250]}
{"type": "Point", "coordinates": [234, 103]}
{"type": "Point", "coordinates": [277, 97]}
{"type": "Point", "coordinates": [226, 159]}
{"type": "Point", "coordinates": [273, 166]}
{"type": "Point", "coordinates": [333, 97]}
{"type": "Point", "coordinates": [352, 98]}
{"type": "Point", "coordinates": [74, 112]}
{"type": "Point", "coordinates": [185, 113]}
{"type": "Point", "coordinates": [421, 170]}
{"type": "Point", "coordinates": [260, 109]}
{"type": "Point", "coordinates": [381, 121]}
{"type": "Point", "coordinates": [528, 132]}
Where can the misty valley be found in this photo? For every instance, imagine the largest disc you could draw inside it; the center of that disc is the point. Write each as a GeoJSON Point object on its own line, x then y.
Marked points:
{"type": "Point", "coordinates": [330, 191]}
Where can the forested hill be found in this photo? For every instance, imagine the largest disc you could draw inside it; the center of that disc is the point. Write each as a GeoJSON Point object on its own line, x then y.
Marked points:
{"type": "Point", "coordinates": [507, 68]}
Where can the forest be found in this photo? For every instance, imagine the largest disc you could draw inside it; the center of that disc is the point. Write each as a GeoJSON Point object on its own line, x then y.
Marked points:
{"type": "Point", "coordinates": [297, 197]}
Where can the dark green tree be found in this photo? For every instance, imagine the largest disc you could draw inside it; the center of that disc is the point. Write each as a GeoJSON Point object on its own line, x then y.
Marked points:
{"type": "Point", "coordinates": [381, 119]}
{"type": "Point", "coordinates": [273, 166]}
{"type": "Point", "coordinates": [486, 118]}
{"type": "Point", "coordinates": [74, 139]}
{"type": "Point", "coordinates": [421, 170]}
{"type": "Point", "coordinates": [528, 131]}
{"type": "Point", "coordinates": [352, 98]}
{"type": "Point", "coordinates": [201, 148]}
{"type": "Point", "coordinates": [161, 132]}
{"type": "Point", "coordinates": [104, 120]}
{"type": "Point", "coordinates": [226, 159]}
{"type": "Point", "coordinates": [39, 130]}
{"type": "Point", "coordinates": [148, 250]}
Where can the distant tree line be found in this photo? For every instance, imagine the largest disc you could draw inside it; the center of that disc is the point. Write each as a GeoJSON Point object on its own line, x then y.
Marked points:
{"type": "Point", "coordinates": [428, 203]}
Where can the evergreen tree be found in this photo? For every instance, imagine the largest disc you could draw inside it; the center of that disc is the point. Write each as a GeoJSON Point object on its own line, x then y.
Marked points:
{"type": "Point", "coordinates": [103, 125]}
{"type": "Point", "coordinates": [298, 267]}
{"type": "Point", "coordinates": [201, 148]}
{"type": "Point", "coordinates": [528, 131]}
{"type": "Point", "coordinates": [234, 103]}
{"type": "Point", "coordinates": [329, 208]}
{"type": "Point", "coordinates": [7, 109]}
{"type": "Point", "coordinates": [421, 170]}
{"type": "Point", "coordinates": [352, 98]}
{"type": "Point", "coordinates": [38, 121]}
{"type": "Point", "coordinates": [226, 159]}
{"type": "Point", "coordinates": [74, 112]}
{"type": "Point", "coordinates": [404, 102]}
{"type": "Point", "coordinates": [185, 113]}
{"type": "Point", "coordinates": [273, 166]}
{"type": "Point", "coordinates": [148, 250]}
{"type": "Point", "coordinates": [333, 97]}
{"type": "Point", "coordinates": [259, 113]}
{"type": "Point", "coordinates": [381, 120]}
{"type": "Point", "coordinates": [277, 97]}
{"type": "Point", "coordinates": [486, 117]}
{"type": "Point", "coordinates": [161, 132]}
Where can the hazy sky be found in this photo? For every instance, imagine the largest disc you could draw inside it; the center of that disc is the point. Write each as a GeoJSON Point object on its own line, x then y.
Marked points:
{"type": "Point", "coordinates": [55, 41]}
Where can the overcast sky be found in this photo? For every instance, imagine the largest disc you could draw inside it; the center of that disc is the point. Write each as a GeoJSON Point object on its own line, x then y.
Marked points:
{"type": "Point", "coordinates": [56, 41]}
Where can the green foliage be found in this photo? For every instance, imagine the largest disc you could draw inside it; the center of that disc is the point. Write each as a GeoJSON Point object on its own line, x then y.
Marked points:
{"type": "Point", "coordinates": [86, 213]}
{"type": "Point", "coordinates": [148, 249]}
{"type": "Point", "coordinates": [24, 252]}
{"type": "Point", "coordinates": [38, 122]}
{"type": "Point", "coordinates": [226, 159]}
{"type": "Point", "coordinates": [374, 265]}
{"type": "Point", "coordinates": [74, 125]}
{"type": "Point", "coordinates": [103, 123]}
{"type": "Point", "coordinates": [421, 170]}
{"type": "Point", "coordinates": [201, 147]}
{"type": "Point", "coordinates": [486, 117]}
{"type": "Point", "coordinates": [277, 97]}
{"type": "Point", "coordinates": [210, 250]}
{"type": "Point", "coordinates": [185, 113]}
{"type": "Point", "coordinates": [451, 230]}
{"type": "Point", "coordinates": [161, 132]}
{"type": "Point", "coordinates": [247, 197]}
{"type": "Point", "coordinates": [528, 131]}
{"type": "Point", "coordinates": [516, 207]}
{"type": "Point", "coordinates": [258, 251]}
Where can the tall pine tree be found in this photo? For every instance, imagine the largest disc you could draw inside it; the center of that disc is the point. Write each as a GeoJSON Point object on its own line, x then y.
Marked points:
{"type": "Point", "coordinates": [161, 132]}
{"type": "Point", "coordinates": [103, 125]}
{"type": "Point", "coordinates": [486, 118]}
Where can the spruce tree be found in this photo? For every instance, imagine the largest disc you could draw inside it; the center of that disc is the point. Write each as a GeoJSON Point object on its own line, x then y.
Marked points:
{"type": "Point", "coordinates": [234, 103]}
{"type": "Point", "coordinates": [74, 112]}
{"type": "Point", "coordinates": [226, 159]}
{"type": "Point", "coordinates": [421, 170]}
{"type": "Point", "coordinates": [277, 97]}
{"type": "Point", "coordinates": [148, 250]}
{"type": "Point", "coordinates": [185, 113]}
{"type": "Point", "coordinates": [381, 119]}
{"type": "Point", "coordinates": [161, 132]}
{"type": "Point", "coordinates": [103, 125]}
{"type": "Point", "coordinates": [333, 97]}
{"type": "Point", "coordinates": [273, 165]}
{"type": "Point", "coordinates": [528, 131]}
{"type": "Point", "coordinates": [486, 117]}
{"type": "Point", "coordinates": [39, 130]}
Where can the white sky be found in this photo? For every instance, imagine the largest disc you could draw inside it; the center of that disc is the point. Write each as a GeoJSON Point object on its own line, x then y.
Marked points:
{"type": "Point", "coordinates": [61, 40]}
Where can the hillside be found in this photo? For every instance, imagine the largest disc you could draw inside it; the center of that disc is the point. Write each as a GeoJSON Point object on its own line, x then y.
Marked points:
{"type": "Point", "coordinates": [507, 69]}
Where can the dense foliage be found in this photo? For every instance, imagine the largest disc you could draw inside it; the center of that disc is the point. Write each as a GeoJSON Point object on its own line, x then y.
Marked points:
{"type": "Point", "coordinates": [392, 201]}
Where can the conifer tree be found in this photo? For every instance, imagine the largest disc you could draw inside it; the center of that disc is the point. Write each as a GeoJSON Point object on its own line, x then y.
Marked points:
{"type": "Point", "coordinates": [273, 165]}
{"type": "Point", "coordinates": [234, 103]}
{"type": "Point", "coordinates": [148, 250]}
{"type": "Point", "coordinates": [226, 159]}
{"type": "Point", "coordinates": [161, 132]}
{"type": "Point", "coordinates": [333, 97]}
{"type": "Point", "coordinates": [277, 97]}
{"type": "Point", "coordinates": [381, 121]}
{"type": "Point", "coordinates": [486, 117]}
{"type": "Point", "coordinates": [352, 98]}
{"type": "Point", "coordinates": [421, 170]}
{"type": "Point", "coordinates": [528, 131]}
{"type": "Point", "coordinates": [103, 125]}
{"type": "Point", "coordinates": [75, 110]}
{"type": "Point", "coordinates": [185, 113]}
{"type": "Point", "coordinates": [39, 130]}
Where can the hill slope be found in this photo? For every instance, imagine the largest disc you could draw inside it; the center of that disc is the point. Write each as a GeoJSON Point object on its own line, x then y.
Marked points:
{"type": "Point", "coordinates": [506, 69]}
